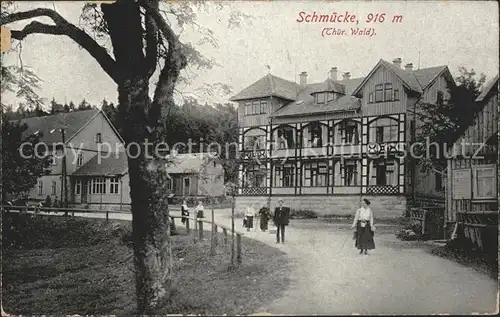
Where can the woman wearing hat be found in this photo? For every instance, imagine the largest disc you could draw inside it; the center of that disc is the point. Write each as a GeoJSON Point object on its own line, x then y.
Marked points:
{"type": "Point", "coordinates": [363, 222]}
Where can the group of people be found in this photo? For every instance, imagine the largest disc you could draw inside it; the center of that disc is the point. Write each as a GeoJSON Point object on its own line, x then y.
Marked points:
{"type": "Point", "coordinates": [199, 209]}
{"type": "Point", "coordinates": [363, 223]}
{"type": "Point", "coordinates": [281, 218]}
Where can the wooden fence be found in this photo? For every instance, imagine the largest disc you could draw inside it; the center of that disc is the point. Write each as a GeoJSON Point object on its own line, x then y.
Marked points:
{"type": "Point", "coordinates": [197, 230]}
{"type": "Point", "coordinates": [479, 227]}
{"type": "Point", "coordinates": [430, 220]}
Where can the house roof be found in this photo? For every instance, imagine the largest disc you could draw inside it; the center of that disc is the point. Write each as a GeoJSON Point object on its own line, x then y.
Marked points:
{"type": "Point", "coordinates": [486, 89]}
{"type": "Point", "coordinates": [71, 121]}
{"type": "Point", "coordinates": [101, 165]}
{"type": "Point", "coordinates": [426, 76]}
{"type": "Point", "coordinates": [188, 163]}
{"type": "Point", "coordinates": [344, 103]}
{"type": "Point", "coordinates": [267, 86]}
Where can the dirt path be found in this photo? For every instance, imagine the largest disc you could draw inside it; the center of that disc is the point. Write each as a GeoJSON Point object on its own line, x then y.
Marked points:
{"type": "Point", "coordinates": [330, 277]}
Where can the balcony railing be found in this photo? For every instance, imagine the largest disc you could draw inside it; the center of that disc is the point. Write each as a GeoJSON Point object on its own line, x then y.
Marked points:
{"type": "Point", "coordinates": [254, 191]}
{"type": "Point", "coordinates": [382, 189]}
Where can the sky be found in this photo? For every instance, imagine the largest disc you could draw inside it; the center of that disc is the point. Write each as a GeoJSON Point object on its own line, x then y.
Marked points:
{"type": "Point", "coordinates": [453, 33]}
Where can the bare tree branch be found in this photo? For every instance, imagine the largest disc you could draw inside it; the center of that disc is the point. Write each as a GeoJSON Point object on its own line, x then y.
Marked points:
{"type": "Point", "coordinates": [61, 27]}
{"type": "Point", "coordinates": [152, 42]}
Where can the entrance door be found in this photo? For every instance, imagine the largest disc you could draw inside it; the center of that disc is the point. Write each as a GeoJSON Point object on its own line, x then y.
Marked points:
{"type": "Point", "coordinates": [186, 186]}
{"type": "Point", "coordinates": [84, 191]}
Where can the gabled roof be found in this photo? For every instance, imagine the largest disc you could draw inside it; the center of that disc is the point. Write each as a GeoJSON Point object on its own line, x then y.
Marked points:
{"type": "Point", "coordinates": [486, 89]}
{"type": "Point", "coordinates": [115, 164]}
{"type": "Point", "coordinates": [71, 121]}
{"type": "Point", "coordinates": [408, 78]}
{"type": "Point", "coordinates": [267, 86]}
{"type": "Point", "coordinates": [426, 76]}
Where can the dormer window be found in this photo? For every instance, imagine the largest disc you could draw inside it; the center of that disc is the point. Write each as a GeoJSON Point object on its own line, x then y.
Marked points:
{"type": "Point", "coordinates": [320, 97]}
{"type": "Point", "coordinates": [255, 107]}
{"type": "Point", "coordinates": [330, 96]}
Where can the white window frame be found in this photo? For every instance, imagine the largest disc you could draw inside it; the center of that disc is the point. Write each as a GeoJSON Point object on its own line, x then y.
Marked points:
{"type": "Point", "coordinates": [78, 187]}
{"type": "Point", "coordinates": [79, 160]}
{"type": "Point", "coordinates": [184, 185]}
{"type": "Point", "coordinates": [114, 185]}
{"type": "Point", "coordinates": [475, 169]}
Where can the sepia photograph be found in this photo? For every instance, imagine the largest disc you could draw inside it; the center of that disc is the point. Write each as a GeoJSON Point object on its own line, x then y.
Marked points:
{"type": "Point", "coordinates": [207, 157]}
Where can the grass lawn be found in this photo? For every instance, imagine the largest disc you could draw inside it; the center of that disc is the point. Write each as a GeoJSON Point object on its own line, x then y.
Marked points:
{"type": "Point", "coordinates": [53, 265]}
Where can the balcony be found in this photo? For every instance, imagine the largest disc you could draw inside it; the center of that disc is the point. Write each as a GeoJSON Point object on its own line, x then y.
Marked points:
{"type": "Point", "coordinates": [315, 151]}
{"type": "Point", "coordinates": [283, 153]}
{"type": "Point", "coordinates": [383, 148]}
{"type": "Point", "coordinates": [382, 190]}
{"type": "Point", "coordinates": [253, 154]}
{"type": "Point", "coordinates": [346, 150]}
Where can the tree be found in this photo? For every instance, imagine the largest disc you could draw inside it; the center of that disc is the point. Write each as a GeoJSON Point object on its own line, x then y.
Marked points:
{"type": "Point", "coordinates": [84, 105]}
{"type": "Point", "coordinates": [143, 43]}
{"type": "Point", "coordinates": [444, 123]}
{"type": "Point", "coordinates": [20, 174]}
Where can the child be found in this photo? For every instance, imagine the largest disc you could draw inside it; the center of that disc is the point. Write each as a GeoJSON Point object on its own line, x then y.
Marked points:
{"type": "Point", "coordinates": [249, 218]}
{"type": "Point", "coordinates": [184, 211]}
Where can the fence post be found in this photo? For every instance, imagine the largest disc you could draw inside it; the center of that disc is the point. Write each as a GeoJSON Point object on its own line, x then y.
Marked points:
{"type": "Point", "coordinates": [107, 215]}
{"type": "Point", "coordinates": [216, 231]}
{"type": "Point", "coordinates": [200, 230]}
{"type": "Point", "coordinates": [195, 227]}
{"type": "Point", "coordinates": [238, 248]}
{"type": "Point", "coordinates": [187, 225]}
{"type": "Point", "coordinates": [73, 214]}
{"type": "Point", "coordinates": [424, 220]}
{"type": "Point", "coordinates": [224, 231]}
{"type": "Point", "coordinates": [212, 237]}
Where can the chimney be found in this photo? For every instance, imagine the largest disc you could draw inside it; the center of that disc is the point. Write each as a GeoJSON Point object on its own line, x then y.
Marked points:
{"type": "Point", "coordinates": [303, 79]}
{"type": "Point", "coordinates": [347, 76]}
{"type": "Point", "coordinates": [409, 67]}
{"type": "Point", "coordinates": [397, 62]}
{"type": "Point", "coordinates": [333, 73]}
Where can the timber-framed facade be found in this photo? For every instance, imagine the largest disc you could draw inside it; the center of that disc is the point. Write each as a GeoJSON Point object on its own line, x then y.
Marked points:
{"type": "Point", "coordinates": [323, 145]}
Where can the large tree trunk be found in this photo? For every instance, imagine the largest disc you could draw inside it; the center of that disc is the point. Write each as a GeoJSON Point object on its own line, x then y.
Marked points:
{"type": "Point", "coordinates": [147, 179]}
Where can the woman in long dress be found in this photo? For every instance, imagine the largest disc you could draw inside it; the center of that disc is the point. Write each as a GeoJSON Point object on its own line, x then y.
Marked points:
{"type": "Point", "coordinates": [363, 222]}
{"type": "Point", "coordinates": [249, 215]}
{"type": "Point", "coordinates": [264, 217]}
{"type": "Point", "coordinates": [184, 211]}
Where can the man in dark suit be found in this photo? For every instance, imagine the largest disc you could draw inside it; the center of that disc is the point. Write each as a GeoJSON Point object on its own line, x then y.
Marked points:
{"type": "Point", "coordinates": [281, 219]}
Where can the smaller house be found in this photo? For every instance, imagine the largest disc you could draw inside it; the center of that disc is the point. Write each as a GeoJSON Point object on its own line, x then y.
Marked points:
{"type": "Point", "coordinates": [195, 174]}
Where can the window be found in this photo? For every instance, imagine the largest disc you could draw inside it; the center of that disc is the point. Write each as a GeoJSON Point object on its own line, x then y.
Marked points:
{"type": "Point", "coordinates": [53, 188]}
{"type": "Point", "coordinates": [170, 183]}
{"type": "Point", "coordinates": [98, 186]}
{"type": "Point", "coordinates": [439, 98]}
{"type": "Point", "coordinates": [186, 186]}
{"type": "Point", "coordinates": [285, 138]}
{"type": "Point", "coordinates": [485, 182]}
{"type": "Point", "coordinates": [40, 188]}
{"type": "Point", "coordinates": [254, 142]}
{"type": "Point", "coordinates": [114, 185]}
{"type": "Point", "coordinates": [255, 107]}
{"type": "Point", "coordinates": [315, 174]}
{"type": "Point", "coordinates": [349, 171]}
{"type": "Point", "coordinates": [284, 175]}
{"type": "Point", "coordinates": [383, 173]}
{"type": "Point", "coordinates": [255, 176]}
{"type": "Point", "coordinates": [79, 161]}
{"type": "Point", "coordinates": [379, 134]}
{"type": "Point", "coordinates": [396, 94]}
{"type": "Point", "coordinates": [330, 96]}
{"type": "Point", "coordinates": [320, 97]}
{"type": "Point", "coordinates": [383, 130]}
{"type": "Point", "coordinates": [78, 187]}
{"type": "Point", "coordinates": [349, 132]}
{"type": "Point", "coordinates": [263, 105]}
{"type": "Point", "coordinates": [370, 97]}
{"type": "Point", "coordinates": [315, 133]}
{"type": "Point", "coordinates": [379, 93]}
{"type": "Point", "coordinates": [98, 138]}
{"type": "Point", "coordinates": [388, 92]}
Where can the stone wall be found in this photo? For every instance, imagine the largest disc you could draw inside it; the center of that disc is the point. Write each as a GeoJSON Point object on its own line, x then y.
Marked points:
{"type": "Point", "coordinates": [384, 207]}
